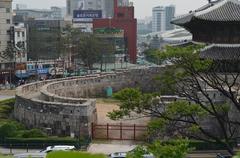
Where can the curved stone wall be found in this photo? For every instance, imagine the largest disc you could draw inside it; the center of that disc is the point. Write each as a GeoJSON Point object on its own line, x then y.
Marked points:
{"type": "Point", "coordinates": [64, 106]}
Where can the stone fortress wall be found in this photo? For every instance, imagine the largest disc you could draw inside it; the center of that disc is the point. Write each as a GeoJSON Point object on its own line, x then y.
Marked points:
{"type": "Point", "coordinates": [66, 106]}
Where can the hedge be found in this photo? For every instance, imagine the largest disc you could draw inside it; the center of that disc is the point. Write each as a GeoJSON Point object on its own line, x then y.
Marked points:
{"type": "Point", "coordinates": [201, 145]}
{"type": "Point", "coordinates": [41, 143]}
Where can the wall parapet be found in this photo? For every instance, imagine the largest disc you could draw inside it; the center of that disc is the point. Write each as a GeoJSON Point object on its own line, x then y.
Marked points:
{"type": "Point", "coordinates": [67, 106]}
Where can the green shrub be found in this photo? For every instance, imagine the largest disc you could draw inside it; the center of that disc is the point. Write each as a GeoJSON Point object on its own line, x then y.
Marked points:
{"type": "Point", "coordinates": [40, 143]}
{"type": "Point", "coordinates": [6, 108]}
{"type": "Point", "coordinates": [33, 133]}
{"type": "Point", "coordinates": [8, 130]}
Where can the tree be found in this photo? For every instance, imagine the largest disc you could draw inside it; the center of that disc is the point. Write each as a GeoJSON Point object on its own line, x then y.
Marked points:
{"type": "Point", "coordinates": [174, 149]}
{"type": "Point", "coordinates": [199, 114]}
{"type": "Point", "coordinates": [91, 49]}
{"type": "Point", "coordinates": [85, 46]}
{"type": "Point", "coordinates": [9, 53]}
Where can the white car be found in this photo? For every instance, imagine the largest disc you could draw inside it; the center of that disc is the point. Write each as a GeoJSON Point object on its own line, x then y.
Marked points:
{"type": "Point", "coordinates": [32, 155]}
{"type": "Point", "coordinates": [118, 155]}
{"type": "Point", "coordinates": [124, 154]}
{"type": "Point", "coordinates": [58, 148]}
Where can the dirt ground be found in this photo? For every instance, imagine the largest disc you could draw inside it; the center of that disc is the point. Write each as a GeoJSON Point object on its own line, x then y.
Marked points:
{"type": "Point", "coordinates": [107, 105]}
{"type": "Point", "coordinates": [7, 92]}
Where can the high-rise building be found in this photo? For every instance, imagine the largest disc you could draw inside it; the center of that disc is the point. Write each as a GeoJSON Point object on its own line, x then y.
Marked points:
{"type": "Point", "coordinates": [158, 19]}
{"type": "Point", "coordinates": [123, 19]}
{"type": "Point", "coordinates": [161, 18]}
{"type": "Point", "coordinates": [5, 23]}
{"type": "Point", "coordinates": [170, 13]}
{"type": "Point", "coordinates": [56, 12]}
{"type": "Point", "coordinates": [21, 6]}
{"type": "Point", "coordinates": [74, 5]}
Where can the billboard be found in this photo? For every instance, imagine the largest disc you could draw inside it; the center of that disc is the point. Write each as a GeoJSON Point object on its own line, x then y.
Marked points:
{"type": "Point", "coordinates": [86, 15]}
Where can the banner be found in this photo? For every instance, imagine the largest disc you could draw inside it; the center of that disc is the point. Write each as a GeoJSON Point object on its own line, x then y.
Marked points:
{"type": "Point", "coordinates": [86, 15]}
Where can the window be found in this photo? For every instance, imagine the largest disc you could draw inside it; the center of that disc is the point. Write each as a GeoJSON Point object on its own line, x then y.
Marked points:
{"type": "Point", "coordinates": [7, 10]}
{"type": "Point", "coordinates": [18, 34]}
{"type": "Point", "coordinates": [23, 34]}
{"type": "Point", "coordinates": [8, 32]}
{"type": "Point", "coordinates": [8, 21]}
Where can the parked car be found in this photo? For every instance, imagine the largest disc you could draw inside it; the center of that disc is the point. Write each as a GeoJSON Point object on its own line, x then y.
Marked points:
{"type": "Point", "coordinates": [124, 154]}
{"type": "Point", "coordinates": [223, 156]}
{"type": "Point", "coordinates": [118, 155]}
{"type": "Point", "coordinates": [58, 148]}
{"type": "Point", "coordinates": [32, 155]}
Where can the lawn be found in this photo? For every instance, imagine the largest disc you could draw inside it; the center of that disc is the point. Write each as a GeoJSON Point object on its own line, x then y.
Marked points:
{"type": "Point", "coordinates": [2, 156]}
{"type": "Point", "coordinates": [62, 154]}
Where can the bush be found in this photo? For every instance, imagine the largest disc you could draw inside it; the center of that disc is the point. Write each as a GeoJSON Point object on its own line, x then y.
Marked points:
{"type": "Point", "coordinates": [40, 143]}
{"type": "Point", "coordinates": [201, 145]}
{"type": "Point", "coordinates": [6, 108]}
{"type": "Point", "coordinates": [8, 130]}
{"type": "Point", "coordinates": [33, 133]}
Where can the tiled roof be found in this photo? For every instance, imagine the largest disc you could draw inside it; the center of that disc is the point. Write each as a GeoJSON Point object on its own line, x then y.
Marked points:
{"type": "Point", "coordinates": [221, 52]}
{"type": "Point", "coordinates": [223, 10]}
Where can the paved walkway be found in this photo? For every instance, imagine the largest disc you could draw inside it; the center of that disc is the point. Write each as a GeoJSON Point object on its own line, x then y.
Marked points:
{"type": "Point", "coordinates": [109, 148]}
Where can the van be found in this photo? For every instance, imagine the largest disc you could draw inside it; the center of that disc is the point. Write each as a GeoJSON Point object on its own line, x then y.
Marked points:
{"type": "Point", "coordinates": [58, 148]}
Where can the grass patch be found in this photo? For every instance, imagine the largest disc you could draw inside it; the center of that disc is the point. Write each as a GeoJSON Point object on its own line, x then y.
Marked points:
{"type": "Point", "coordinates": [62, 154]}
{"type": "Point", "coordinates": [5, 156]}
{"type": "Point", "coordinates": [107, 100]}
{"type": "Point", "coordinates": [6, 108]}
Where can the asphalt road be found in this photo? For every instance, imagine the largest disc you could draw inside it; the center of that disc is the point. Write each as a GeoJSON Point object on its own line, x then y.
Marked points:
{"type": "Point", "coordinates": [6, 151]}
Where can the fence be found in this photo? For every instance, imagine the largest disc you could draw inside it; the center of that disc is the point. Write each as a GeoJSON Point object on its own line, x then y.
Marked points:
{"type": "Point", "coordinates": [119, 132]}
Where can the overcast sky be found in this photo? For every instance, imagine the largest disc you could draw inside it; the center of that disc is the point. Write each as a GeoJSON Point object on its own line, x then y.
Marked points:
{"type": "Point", "coordinates": [143, 7]}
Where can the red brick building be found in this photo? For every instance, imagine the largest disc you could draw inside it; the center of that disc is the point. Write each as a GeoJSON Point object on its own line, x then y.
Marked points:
{"type": "Point", "coordinates": [123, 19]}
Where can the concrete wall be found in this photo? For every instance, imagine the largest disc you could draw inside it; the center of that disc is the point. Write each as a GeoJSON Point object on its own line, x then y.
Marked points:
{"type": "Point", "coordinates": [63, 106]}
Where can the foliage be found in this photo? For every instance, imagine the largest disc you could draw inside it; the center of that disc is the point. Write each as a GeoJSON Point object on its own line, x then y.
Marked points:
{"type": "Point", "coordinates": [6, 107]}
{"type": "Point", "coordinates": [43, 142]}
{"type": "Point", "coordinates": [237, 156]}
{"type": "Point", "coordinates": [91, 49]}
{"type": "Point", "coordinates": [198, 84]}
{"type": "Point", "coordinates": [85, 46]}
{"type": "Point", "coordinates": [138, 152]}
{"type": "Point", "coordinates": [175, 149]}
{"type": "Point", "coordinates": [62, 154]}
{"type": "Point", "coordinates": [9, 53]}
{"type": "Point", "coordinates": [33, 133]}
{"type": "Point", "coordinates": [152, 56]}
{"type": "Point", "coordinates": [9, 129]}
{"type": "Point", "coordinates": [130, 100]}
{"type": "Point", "coordinates": [5, 156]}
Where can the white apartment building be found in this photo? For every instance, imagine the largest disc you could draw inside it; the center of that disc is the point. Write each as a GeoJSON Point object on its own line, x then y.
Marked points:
{"type": "Point", "coordinates": [161, 18]}
{"type": "Point", "coordinates": [158, 19]}
{"type": "Point", "coordinates": [20, 41]}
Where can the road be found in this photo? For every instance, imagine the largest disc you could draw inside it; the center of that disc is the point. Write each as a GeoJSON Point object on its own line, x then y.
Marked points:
{"type": "Point", "coordinates": [6, 151]}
